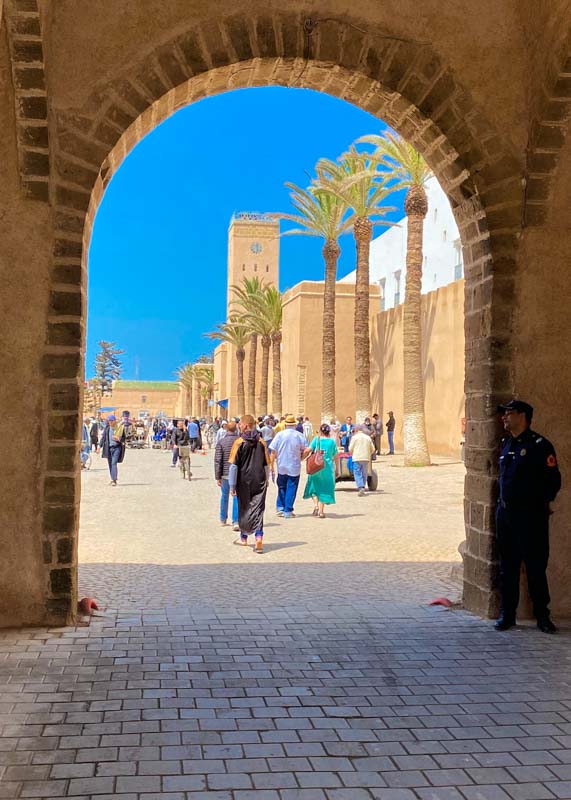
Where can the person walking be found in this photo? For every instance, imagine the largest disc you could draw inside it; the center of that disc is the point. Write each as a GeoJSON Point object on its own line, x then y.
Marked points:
{"type": "Point", "coordinates": [345, 433]}
{"type": "Point", "coordinates": [321, 485]}
{"type": "Point", "coordinates": [221, 469]}
{"type": "Point", "coordinates": [287, 448]}
{"type": "Point", "coordinates": [361, 448]}
{"type": "Point", "coordinates": [194, 434]}
{"type": "Point", "coordinates": [179, 438]}
{"type": "Point", "coordinates": [307, 429]}
{"type": "Point", "coordinates": [391, 423]}
{"type": "Point", "coordinates": [267, 430]}
{"type": "Point", "coordinates": [248, 477]}
{"type": "Point", "coordinates": [529, 481]}
{"type": "Point", "coordinates": [221, 432]}
{"type": "Point", "coordinates": [94, 435]}
{"type": "Point", "coordinates": [378, 426]}
{"type": "Point", "coordinates": [112, 446]}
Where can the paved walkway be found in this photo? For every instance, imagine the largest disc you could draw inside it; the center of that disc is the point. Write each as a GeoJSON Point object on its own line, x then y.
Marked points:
{"type": "Point", "coordinates": [313, 672]}
{"type": "Point", "coordinates": [155, 540]}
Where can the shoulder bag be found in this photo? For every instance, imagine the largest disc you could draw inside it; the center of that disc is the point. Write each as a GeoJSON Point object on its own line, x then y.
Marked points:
{"type": "Point", "coordinates": [315, 460]}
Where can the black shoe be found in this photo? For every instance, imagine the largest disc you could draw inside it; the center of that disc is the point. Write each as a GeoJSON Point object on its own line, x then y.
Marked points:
{"type": "Point", "coordinates": [504, 623]}
{"type": "Point", "coordinates": [546, 626]}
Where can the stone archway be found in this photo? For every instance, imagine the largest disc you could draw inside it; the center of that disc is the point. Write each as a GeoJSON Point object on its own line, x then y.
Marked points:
{"type": "Point", "coordinates": [404, 82]}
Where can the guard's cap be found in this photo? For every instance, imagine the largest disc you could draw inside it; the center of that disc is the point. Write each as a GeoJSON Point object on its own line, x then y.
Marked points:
{"type": "Point", "coordinates": [111, 418]}
{"type": "Point", "coordinates": [290, 420]}
{"type": "Point", "coordinates": [520, 406]}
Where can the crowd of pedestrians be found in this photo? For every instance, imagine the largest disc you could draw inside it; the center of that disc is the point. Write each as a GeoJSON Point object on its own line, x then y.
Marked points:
{"type": "Point", "coordinates": [250, 452]}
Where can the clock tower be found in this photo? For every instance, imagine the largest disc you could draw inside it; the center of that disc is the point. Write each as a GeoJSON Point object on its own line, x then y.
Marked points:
{"type": "Point", "coordinates": [253, 250]}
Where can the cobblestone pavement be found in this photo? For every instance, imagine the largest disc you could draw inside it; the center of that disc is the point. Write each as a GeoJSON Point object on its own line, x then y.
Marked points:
{"type": "Point", "coordinates": [253, 686]}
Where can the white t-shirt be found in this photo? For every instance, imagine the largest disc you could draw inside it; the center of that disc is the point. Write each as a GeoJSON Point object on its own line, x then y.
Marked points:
{"type": "Point", "coordinates": [288, 445]}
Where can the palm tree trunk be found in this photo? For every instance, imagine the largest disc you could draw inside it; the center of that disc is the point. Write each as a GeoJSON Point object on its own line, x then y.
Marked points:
{"type": "Point", "coordinates": [414, 426]}
{"type": "Point", "coordinates": [363, 232]}
{"type": "Point", "coordinates": [240, 356]}
{"type": "Point", "coordinates": [197, 398]}
{"type": "Point", "coordinates": [251, 399]}
{"type": "Point", "coordinates": [277, 373]}
{"type": "Point", "coordinates": [331, 252]}
{"type": "Point", "coordinates": [266, 342]}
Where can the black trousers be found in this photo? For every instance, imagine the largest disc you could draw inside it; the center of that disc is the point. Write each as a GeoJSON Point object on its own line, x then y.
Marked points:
{"type": "Point", "coordinates": [523, 535]}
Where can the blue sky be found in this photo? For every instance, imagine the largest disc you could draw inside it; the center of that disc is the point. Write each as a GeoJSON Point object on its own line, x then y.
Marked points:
{"type": "Point", "coordinates": [157, 261]}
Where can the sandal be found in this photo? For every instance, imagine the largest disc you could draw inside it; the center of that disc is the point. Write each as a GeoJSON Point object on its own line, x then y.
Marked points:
{"type": "Point", "coordinates": [240, 543]}
{"type": "Point", "coordinates": [315, 512]}
{"type": "Point", "coordinates": [321, 516]}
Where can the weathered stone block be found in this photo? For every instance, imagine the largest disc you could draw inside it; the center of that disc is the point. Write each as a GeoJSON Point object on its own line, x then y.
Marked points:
{"type": "Point", "coordinates": [34, 163]}
{"type": "Point", "coordinates": [60, 581]}
{"type": "Point", "coordinates": [29, 78]}
{"type": "Point", "coordinates": [59, 489]}
{"type": "Point", "coordinates": [239, 34]}
{"type": "Point", "coordinates": [172, 67]}
{"type": "Point", "coordinates": [61, 366]}
{"type": "Point", "coordinates": [64, 548]}
{"type": "Point", "coordinates": [72, 198]}
{"type": "Point", "coordinates": [86, 149]}
{"type": "Point", "coordinates": [265, 37]}
{"type": "Point", "coordinates": [62, 459]}
{"type": "Point", "coordinates": [72, 172]}
{"type": "Point", "coordinates": [47, 551]}
{"type": "Point", "coordinates": [27, 50]}
{"type": "Point", "coordinates": [71, 274]}
{"type": "Point", "coordinates": [63, 427]}
{"type": "Point", "coordinates": [292, 36]}
{"type": "Point", "coordinates": [33, 135]}
{"type": "Point", "coordinates": [66, 304]}
{"type": "Point", "coordinates": [36, 189]}
{"type": "Point", "coordinates": [59, 519]}
{"type": "Point", "coordinates": [34, 107]}
{"type": "Point", "coordinates": [64, 396]}
{"type": "Point", "coordinates": [59, 610]}
{"type": "Point", "coordinates": [191, 49]}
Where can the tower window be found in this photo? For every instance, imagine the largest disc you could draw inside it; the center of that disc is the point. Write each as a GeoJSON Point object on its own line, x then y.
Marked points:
{"type": "Point", "coordinates": [444, 235]}
{"type": "Point", "coordinates": [267, 268]}
{"type": "Point", "coordinates": [255, 267]}
{"type": "Point", "coordinates": [243, 268]}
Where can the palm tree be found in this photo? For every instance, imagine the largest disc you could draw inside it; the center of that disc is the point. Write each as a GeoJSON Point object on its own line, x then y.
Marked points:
{"type": "Point", "coordinates": [321, 214]}
{"type": "Point", "coordinates": [205, 377]}
{"type": "Point", "coordinates": [185, 375]}
{"type": "Point", "coordinates": [236, 335]}
{"type": "Point", "coordinates": [251, 303]}
{"type": "Point", "coordinates": [273, 312]}
{"type": "Point", "coordinates": [354, 180]}
{"type": "Point", "coordinates": [408, 169]}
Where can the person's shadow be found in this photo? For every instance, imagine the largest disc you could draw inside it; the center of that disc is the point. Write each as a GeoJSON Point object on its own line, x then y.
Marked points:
{"type": "Point", "coordinates": [281, 545]}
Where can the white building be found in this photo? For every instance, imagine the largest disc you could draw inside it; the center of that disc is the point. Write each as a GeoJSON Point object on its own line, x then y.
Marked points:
{"type": "Point", "coordinates": [442, 252]}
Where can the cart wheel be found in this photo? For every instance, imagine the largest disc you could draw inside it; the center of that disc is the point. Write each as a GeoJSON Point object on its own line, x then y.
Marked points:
{"type": "Point", "coordinates": [373, 481]}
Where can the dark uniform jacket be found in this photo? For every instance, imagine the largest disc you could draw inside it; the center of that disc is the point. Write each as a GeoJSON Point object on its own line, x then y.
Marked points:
{"type": "Point", "coordinates": [529, 475]}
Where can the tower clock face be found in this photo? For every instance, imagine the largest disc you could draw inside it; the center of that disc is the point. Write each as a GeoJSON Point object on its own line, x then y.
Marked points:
{"type": "Point", "coordinates": [256, 248]}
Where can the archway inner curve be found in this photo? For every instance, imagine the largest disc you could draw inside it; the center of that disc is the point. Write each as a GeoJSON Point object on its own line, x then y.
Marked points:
{"type": "Point", "coordinates": [76, 212]}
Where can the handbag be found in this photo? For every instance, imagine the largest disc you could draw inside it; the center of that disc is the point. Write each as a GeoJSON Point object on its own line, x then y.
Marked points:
{"type": "Point", "coordinates": [315, 460]}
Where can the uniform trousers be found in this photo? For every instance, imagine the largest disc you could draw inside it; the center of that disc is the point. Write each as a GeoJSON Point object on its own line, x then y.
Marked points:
{"type": "Point", "coordinates": [523, 535]}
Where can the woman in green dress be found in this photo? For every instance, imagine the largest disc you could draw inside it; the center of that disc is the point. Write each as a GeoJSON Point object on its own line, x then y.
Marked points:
{"type": "Point", "coordinates": [321, 485]}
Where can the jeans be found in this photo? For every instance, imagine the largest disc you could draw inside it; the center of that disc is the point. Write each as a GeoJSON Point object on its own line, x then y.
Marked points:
{"type": "Point", "coordinates": [175, 456]}
{"type": "Point", "coordinates": [224, 499]}
{"type": "Point", "coordinates": [360, 471]}
{"type": "Point", "coordinates": [193, 444]}
{"type": "Point", "coordinates": [287, 490]}
{"type": "Point", "coordinates": [391, 435]}
{"type": "Point", "coordinates": [113, 460]}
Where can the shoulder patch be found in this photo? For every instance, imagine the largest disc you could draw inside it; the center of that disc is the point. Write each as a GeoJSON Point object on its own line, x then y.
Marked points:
{"type": "Point", "coordinates": [551, 461]}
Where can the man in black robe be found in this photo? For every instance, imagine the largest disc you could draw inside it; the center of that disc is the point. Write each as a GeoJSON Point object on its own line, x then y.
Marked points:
{"type": "Point", "coordinates": [248, 478]}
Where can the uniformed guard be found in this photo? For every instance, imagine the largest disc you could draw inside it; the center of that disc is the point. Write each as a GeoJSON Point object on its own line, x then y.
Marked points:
{"type": "Point", "coordinates": [529, 480]}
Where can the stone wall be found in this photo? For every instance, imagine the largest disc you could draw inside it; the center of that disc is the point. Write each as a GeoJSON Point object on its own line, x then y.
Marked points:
{"type": "Point", "coordinates": [491, 121]}
{"type": "Point", "coordinates": [443, 364]}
